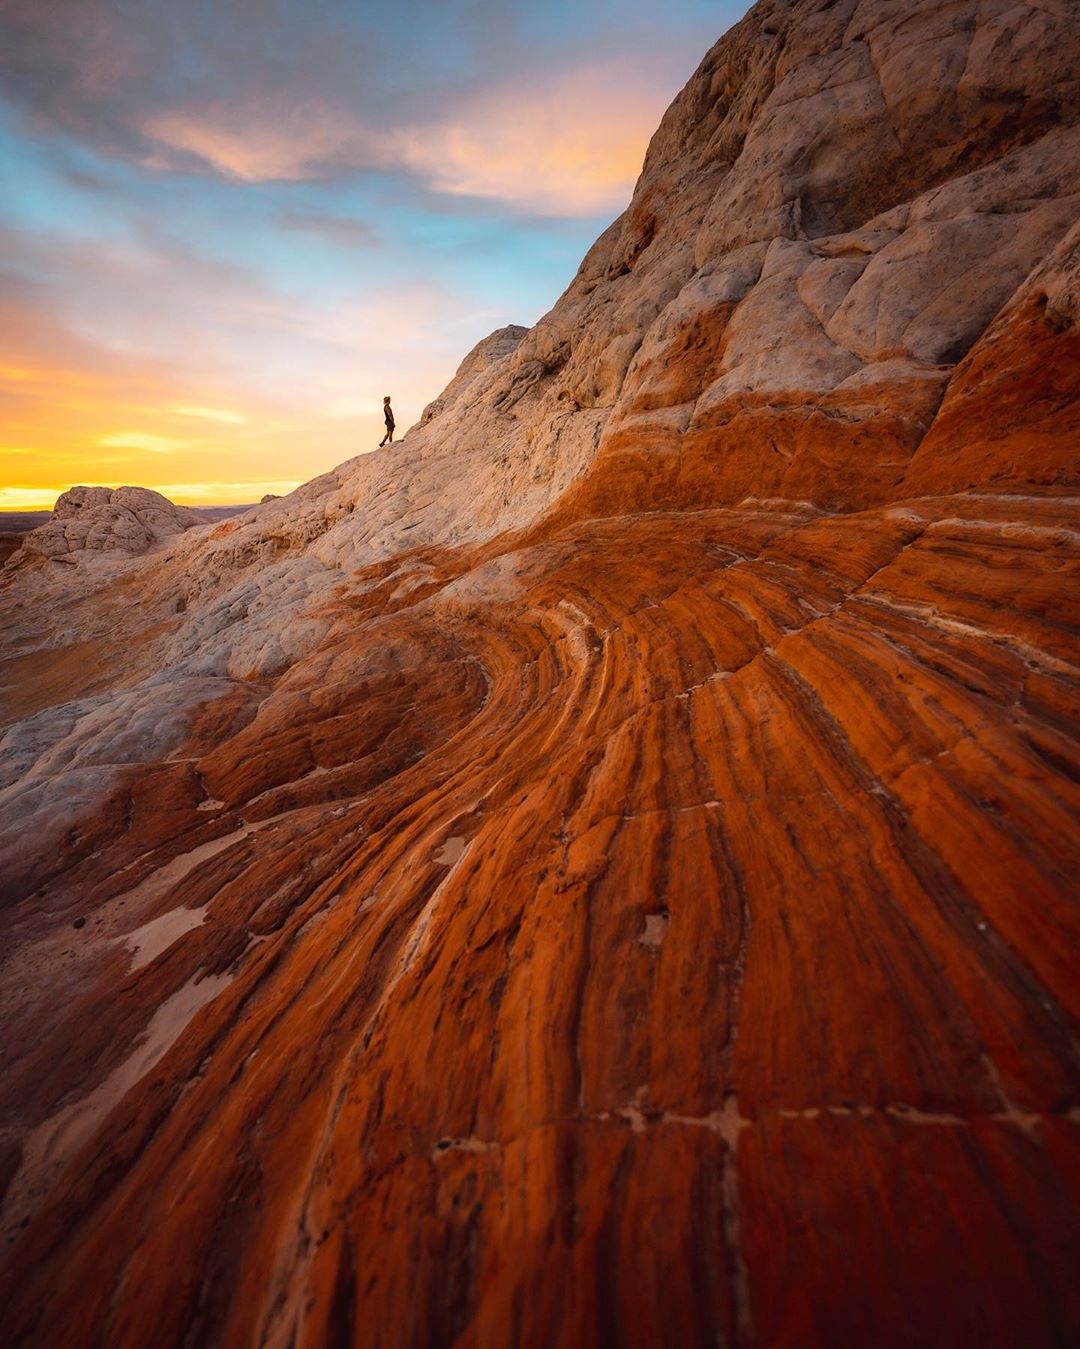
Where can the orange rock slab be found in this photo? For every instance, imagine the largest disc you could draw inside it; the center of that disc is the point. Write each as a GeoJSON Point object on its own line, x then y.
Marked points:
{"type": "Point", "coordinates": [660, 932]}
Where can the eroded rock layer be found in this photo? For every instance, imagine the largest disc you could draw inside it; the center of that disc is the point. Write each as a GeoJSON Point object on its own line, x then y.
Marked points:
{"type": "Point", "coordinates": [603, 872]}
{"type": "Point", "coordinates": [693, 957]}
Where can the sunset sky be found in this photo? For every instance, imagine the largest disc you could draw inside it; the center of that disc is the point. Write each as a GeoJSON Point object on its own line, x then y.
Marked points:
{"type": "Point", "coordinates": [230, 226]}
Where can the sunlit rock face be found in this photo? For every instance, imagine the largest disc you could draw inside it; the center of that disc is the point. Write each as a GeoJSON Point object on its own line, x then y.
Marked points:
{"type": "Point", "coordinates": [602, 870]}
{"type": "Point", "coordinates": [128, 520]}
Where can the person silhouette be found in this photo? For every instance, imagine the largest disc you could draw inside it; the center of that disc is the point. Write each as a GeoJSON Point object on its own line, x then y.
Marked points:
{"type": "Point", "coordinates": [388, 418]}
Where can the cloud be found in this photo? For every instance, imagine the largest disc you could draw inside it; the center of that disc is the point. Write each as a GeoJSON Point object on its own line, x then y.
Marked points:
{"type": "Point", "coordinates": [226, 493]}
{"type": "Point", "coordinates": [194, 277]}
{"type": "Point", "coordinates": [570, 144]}
{"type": "Point", "coordinates": [98, 69]}
{"type": "Point", "coordinates": [141, 440]}
{"type": "Point", "coordinates": [29, 498]}
{"type": "Point", "coordinates": [545, 108]}
{"type": "Point", "coordinates": [562, 143]}
{"type": "Point", "coordinates": [262, 139]}
{"type": "Point", "coordinates": [212, 415]}
{"type": "Point", "coordinates": [334, 229]}
{"type": "Point", "coordinates": [108, 360]}
{"type": "Point", "coordinates": [183, 493]}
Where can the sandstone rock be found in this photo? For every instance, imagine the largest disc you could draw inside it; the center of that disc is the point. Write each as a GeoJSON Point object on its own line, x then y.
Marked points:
{"type": "Point", "coordinates": [10, 542]}
{"type": "Point", "coordinates": [602, 870]}
{"type": "Point", "coordinates": [1011, 414]}
{"type": "Point", "coordinates": [129, 520]}
{"type": "Point", "coordinates": [755, 682]}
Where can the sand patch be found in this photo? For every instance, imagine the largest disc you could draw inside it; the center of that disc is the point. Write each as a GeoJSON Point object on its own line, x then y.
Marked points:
{"type": "Point", "coordinates": [53, 1143]}
{"type": "Point", "coordinates": [148, 941]}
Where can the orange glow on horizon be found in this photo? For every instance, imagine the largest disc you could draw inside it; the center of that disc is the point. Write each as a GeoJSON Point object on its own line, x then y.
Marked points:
{"type": "Point", "coordinates": [181, 494]}
{"type": "Point", "coordinates": [64, 428]}
{"type": "Point", "coordinates": [204, 433]}
{"type": "Point", "coordinates": [138, 359]}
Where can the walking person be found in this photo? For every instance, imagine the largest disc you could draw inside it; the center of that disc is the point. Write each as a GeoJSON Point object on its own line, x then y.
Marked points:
{"type": "Point", "coordinates": [388, 418]}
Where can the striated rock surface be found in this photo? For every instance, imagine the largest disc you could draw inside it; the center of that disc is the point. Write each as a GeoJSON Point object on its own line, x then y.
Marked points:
{"type": "Point", "coordinates": [602, 870]}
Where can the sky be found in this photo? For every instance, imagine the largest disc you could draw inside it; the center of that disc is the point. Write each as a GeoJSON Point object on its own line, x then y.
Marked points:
{"type": "Point", "coordinates": [230, 226]}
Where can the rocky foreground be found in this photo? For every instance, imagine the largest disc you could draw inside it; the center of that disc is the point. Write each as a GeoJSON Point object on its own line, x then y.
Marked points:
{"type": "Point", "coordinates": [602, 871]}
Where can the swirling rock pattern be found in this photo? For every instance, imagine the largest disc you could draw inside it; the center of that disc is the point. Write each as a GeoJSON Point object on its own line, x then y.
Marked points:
{"type": "Point", "coordinates": [604, 872]}
{"type": "Point", "coordinates": [702, 929]}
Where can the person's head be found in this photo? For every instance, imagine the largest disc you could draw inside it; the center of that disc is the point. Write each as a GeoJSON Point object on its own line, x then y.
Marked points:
{"type": "Point", "coordinates": [386, 399]}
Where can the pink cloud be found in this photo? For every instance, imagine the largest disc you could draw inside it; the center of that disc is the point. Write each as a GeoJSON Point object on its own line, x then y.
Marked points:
{"type": "Point", "coordinates": [565, 144]}
{"type": "Point", "coordinates": [264, 138]}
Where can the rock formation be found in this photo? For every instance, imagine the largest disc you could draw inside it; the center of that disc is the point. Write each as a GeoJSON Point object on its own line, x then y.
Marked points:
{"type": "Point", "coordinates": [602, 870]}
{"type": "Point", "coordinates": [129, 520]}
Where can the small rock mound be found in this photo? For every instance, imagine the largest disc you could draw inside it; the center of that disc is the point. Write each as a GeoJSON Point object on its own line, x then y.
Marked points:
{"type": "Point", "coordinates": [130, 520]}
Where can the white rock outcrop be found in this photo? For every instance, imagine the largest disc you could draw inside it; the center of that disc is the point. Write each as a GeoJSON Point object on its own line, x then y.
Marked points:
{"type": "Point", "coordinates": [132, 520]}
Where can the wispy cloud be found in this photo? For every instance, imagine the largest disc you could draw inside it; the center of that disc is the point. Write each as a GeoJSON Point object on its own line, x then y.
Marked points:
{"type": "Point", "coordinates": [289, 399]}
{"type": "Point", "coordinates": [569, 143]}
{"type": "Point", "coordinates": [263, 139]}
{"type": "Point", "coordinates": [29, 498]}
{"type": "Point", "coordinates": [226, 493]}
{"type": "Point", "coordinates": [551, 121]}
{"type": "Point", "coordinates": [141, 440]}
{"type": "Point", "coordinates": [43, 498]}
{"type": "Point", "coordinates": [339, 230]}
{"type": "Point", "coordinates": [213, 415]}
